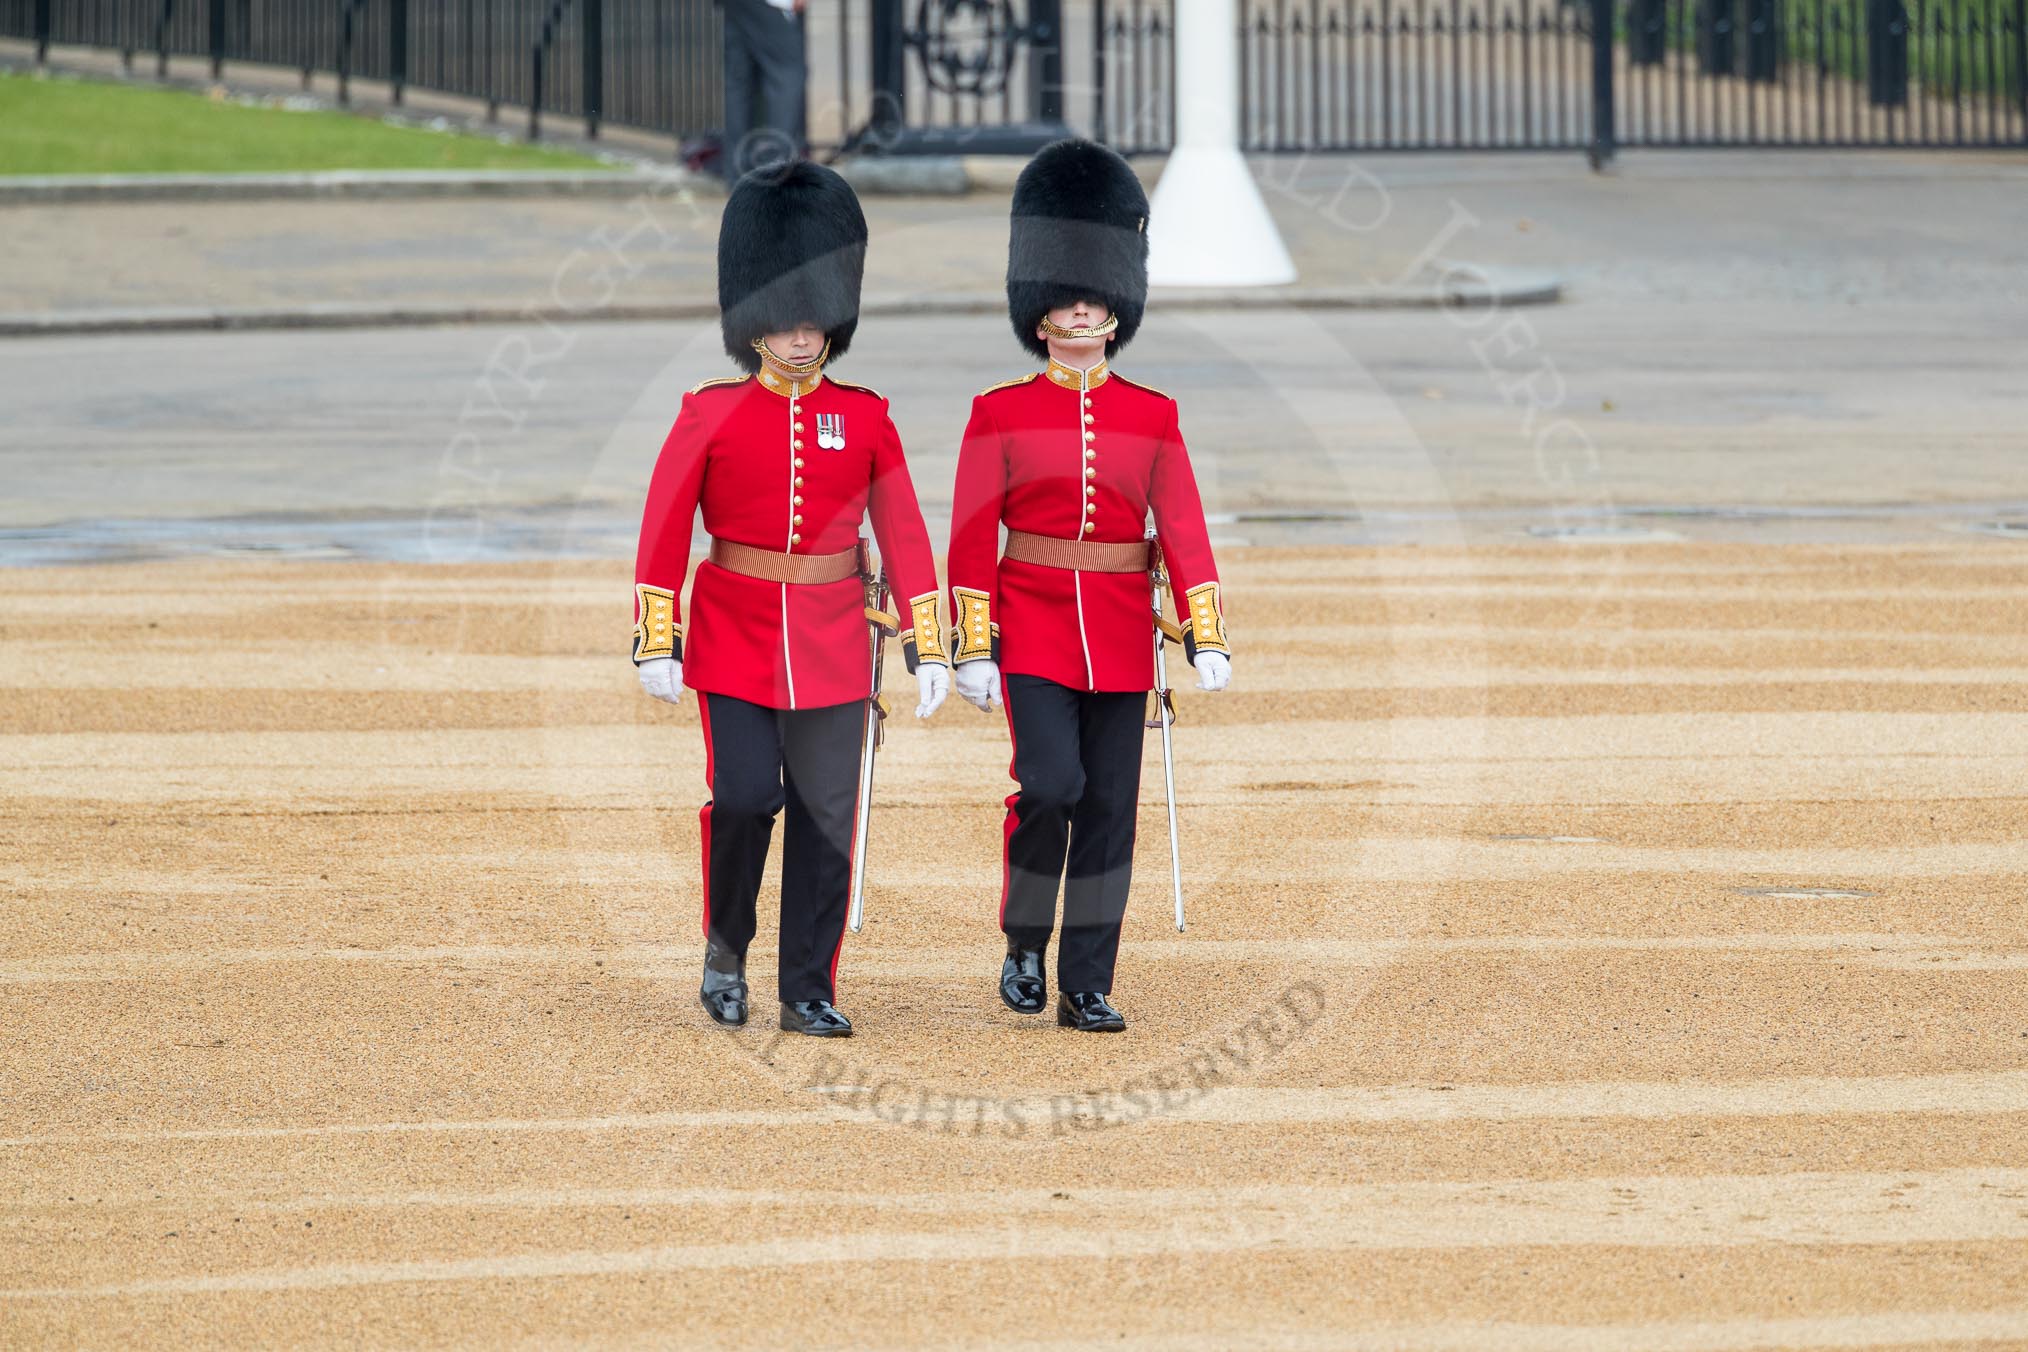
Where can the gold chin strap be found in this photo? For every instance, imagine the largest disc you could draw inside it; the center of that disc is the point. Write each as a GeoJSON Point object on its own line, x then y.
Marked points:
{"type": "Point", "coordinates": [1091, 331]}
{"type": "Point", "coordinates": [793, 370]}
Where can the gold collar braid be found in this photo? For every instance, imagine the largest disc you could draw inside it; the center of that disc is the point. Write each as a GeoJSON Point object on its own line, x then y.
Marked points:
{"type": "Point", "coordinates": [1071, 378]}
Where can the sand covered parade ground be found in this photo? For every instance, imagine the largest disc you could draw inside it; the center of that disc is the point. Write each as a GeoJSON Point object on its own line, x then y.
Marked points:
{"type": "Point", "coordinates": [1592, 946]}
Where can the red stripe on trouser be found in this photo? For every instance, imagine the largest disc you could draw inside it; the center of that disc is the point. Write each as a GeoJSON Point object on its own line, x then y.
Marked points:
{"type": "Point", "coordinates": [704, 813]}
{"type": "Point", "coordinates": [1007, 826]}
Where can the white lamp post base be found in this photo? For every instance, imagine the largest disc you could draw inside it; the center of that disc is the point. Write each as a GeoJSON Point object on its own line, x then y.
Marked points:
{"type": "Point", "coordinates": [1207, 224]}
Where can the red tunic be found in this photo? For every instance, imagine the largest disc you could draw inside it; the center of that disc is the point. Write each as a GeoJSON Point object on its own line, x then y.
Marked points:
{"type": "Point", "coordinates": [757, 454]}
{"type": "Point", "coordinates": [1076, 456]}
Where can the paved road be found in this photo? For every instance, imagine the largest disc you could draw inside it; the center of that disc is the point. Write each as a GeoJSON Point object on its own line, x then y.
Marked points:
{"type": "Point", "coordinates": [1712, 404]}
{"type": "Point", "coordinates": [1762, 330]}
{"type": "Point", "coordinates": [1806, 228]}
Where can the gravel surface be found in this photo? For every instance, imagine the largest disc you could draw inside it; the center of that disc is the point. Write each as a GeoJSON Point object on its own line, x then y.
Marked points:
{"type": "Point", "coordinates": [1592, 945]}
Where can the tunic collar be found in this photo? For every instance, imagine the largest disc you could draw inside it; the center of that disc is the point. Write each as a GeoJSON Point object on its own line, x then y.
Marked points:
{"type": "Point", "coordinates": [786, 387]}
{"type": "Point", "coordinates": [1073, 379]}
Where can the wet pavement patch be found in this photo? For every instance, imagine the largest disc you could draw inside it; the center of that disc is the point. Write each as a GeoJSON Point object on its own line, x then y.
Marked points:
{"type": "Point", "coordinates": [1806, 893]}
{"type": "Point", "coordinates": [492, 534]}
{"type": "Point", "coordinates": [1605, 532]}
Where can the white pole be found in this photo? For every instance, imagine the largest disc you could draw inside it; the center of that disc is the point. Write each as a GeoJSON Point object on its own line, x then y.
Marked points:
{"type": "Point", "coordinates": [1207, 224]}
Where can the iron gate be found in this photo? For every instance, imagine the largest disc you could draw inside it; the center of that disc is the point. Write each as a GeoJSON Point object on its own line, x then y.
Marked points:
{"type": "Point", "coordinates": [981, 76]}
{"type": "Point", "coordinates": [1366, 75]}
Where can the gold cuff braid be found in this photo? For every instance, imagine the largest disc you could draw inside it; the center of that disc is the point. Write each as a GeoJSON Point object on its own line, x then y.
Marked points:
{"type": "Point", "coordinates": [929, 628]}
{"type": "Point", "coordinates": [656, 632]}
{"type": "Point", "coordinates": [1206, 615]}
{"type": "Point", "coordinates": [976, 630]}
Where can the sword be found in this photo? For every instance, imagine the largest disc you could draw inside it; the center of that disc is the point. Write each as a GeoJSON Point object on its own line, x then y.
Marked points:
{"type": "Point", "coordinates": [1165, 709]}
{"type": "Point", "coordinates": [880, 626]}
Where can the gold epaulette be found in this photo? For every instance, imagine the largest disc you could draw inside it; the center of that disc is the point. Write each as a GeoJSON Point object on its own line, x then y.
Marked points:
{"type": "Point", "coordinates": [1009, 384]}
{"type": "Point", "coordinates": [853, 385]}
{"type": "Point", "coordinates": [719, 380]}
{"type": "Point", "coordinates": [1142, 385]}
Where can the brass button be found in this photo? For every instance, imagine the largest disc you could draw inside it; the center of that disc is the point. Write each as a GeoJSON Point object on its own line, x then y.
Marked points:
{"type": "Point", "coordinates": [1087, 417]}
{"type": "Point", "coordinates": [1090, 508]}
{"type": "Point", "coordinates": [799, 462]}
{"type": "Point", "coordinates": [1090, 491]}
{"type": "Point", "coordinates": [1090, 435]}
{"type": "Point", "coordinates": [799, 484]}
{"type": "Point", "coordinates": [1089, 528]}
{"type": "Point", "coordinates": [798, 443]}
{"type": "Point", "coordinates": [799, 496]}
{"type": "Point", "coordinates": [1091, 471]}
{"type": "Point", "coordinates": [795, 539]}
{"type": "Point", "coordinates": [1090, 454]}
{"type": "Point", "coordinates": [798, 520]}
{"type": "Point", "coordinates": [799, 427]}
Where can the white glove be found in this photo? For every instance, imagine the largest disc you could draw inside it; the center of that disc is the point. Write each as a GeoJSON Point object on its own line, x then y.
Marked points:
{"type": "Point", "coordinates": [933, 679]}
{"type": "Point", "coordinates": [979, 684]}
{"type": "Point", "coordinates": [662, 677]}
{"type": "Point", "coordinates": [1214, 671]}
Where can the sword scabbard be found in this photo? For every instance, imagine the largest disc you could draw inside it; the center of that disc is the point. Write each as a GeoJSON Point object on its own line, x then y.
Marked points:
{"type": "Point", "coordinates": [1158, 583]}
{"type": "Point", "coordinates": [879, 625]}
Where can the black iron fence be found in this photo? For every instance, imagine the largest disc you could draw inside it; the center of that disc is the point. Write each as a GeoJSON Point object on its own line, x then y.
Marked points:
{"type": "Point", "coordinates": [1823, 72]}
{"type": "Point", "coordinates": [1380, 74]}
{"type": "Point", "coordinates": [980, 76]}
{"type": "Point", "coordinates": [1134, 74]}
{"type": "Point", "coordinates": [654, 64]}
{"type": "Point", "coordinates": [1548, 74]}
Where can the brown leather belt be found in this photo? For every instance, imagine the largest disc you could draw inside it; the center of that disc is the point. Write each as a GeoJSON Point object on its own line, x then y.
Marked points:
{"type": "Point", "coordinates": [770, 566]}
{"type": "Point", "coordinates": [1086, 556]}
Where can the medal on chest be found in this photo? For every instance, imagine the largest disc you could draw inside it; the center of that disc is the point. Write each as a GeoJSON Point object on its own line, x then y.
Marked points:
{"type": "Point", "coordinates": [830, 431]}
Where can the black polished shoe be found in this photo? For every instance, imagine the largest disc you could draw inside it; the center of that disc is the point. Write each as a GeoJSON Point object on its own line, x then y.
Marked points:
{"type": "Point", "coordinates": [723, 993]}
{"type": "Point", "coordinates": [1088, 1012]}
{"type": "Point", "coordinates": [816, 1018]}
{"type": "Point", "coordinates": [1022, 987]}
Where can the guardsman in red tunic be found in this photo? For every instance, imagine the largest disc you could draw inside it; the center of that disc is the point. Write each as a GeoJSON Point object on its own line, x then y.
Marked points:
{"type": "Point", "coordinates": [1072, 460]}
{"type": "Point", "coordinates": [785, 462]}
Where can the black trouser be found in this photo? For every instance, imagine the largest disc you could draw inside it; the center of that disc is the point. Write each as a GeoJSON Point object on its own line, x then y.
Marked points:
{"type": "Point", "coordinates": [1077, 757]}
{"type": "Point", "coordinates": [764, 55]}
{"type": "Point", "coordinates": [759, 760]}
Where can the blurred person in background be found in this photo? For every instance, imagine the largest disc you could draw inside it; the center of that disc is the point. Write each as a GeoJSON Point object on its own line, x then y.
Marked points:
{"type": "Point", "coordinates": [765, 59]}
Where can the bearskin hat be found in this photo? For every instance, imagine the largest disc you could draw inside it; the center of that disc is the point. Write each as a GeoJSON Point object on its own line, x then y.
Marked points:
{"type": "Point", "coordinates": [791, 250]}
{"type": "Point", "coordinates": [1080, 232]}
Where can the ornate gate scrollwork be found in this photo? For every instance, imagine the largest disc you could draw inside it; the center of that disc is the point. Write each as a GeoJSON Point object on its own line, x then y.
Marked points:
{"type": "Point", "coordinates": [993, 71]}
{"type": "Point", "coordinates": [966, 47]}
